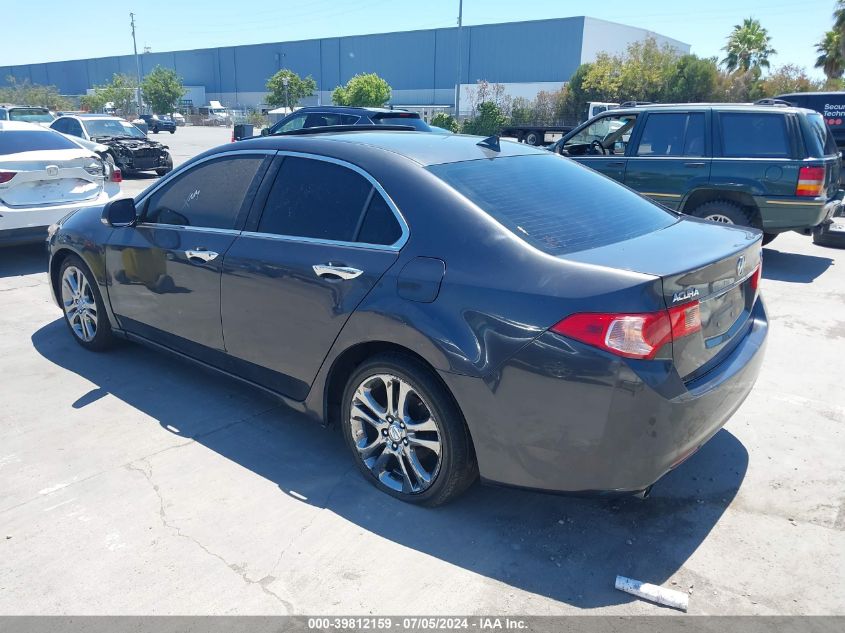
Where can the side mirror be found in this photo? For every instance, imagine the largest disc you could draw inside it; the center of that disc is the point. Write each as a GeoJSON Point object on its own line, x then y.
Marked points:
{"type": "Point", "coordinates": [265, 131]}
{"type": "Point", "coordinates": [119, 213]}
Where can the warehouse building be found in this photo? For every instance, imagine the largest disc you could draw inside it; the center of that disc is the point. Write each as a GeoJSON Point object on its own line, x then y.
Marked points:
{"type": "Point", "coordinates": [421, 66]}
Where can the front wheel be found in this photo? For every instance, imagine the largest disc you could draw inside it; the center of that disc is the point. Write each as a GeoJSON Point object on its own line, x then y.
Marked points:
{"type": "Point", "coordinates": [83, 307]}
{"type": "Point", "coordinates": [406, 433]}
{"type": "Point", "coordinates": [161, 171]}
{"type": "Point", "coordinates": [532, 138]}
{"type": "Point", "coordinates": [173, 131]}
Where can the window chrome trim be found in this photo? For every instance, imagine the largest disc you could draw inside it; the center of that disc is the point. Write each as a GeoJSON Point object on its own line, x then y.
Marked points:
{"type": "Point", "coordinates": [185, 227]}
{"type": "Point", "coordinates": [145, 195]}
{"type": "Point", "coordinates": [396, 246]}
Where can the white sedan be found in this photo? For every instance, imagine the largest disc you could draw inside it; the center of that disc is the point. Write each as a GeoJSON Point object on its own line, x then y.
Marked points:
{"type": "Point", "coordinates": [43, 177]}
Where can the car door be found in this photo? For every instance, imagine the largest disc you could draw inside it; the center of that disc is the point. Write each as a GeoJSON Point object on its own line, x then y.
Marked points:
{"type": "Point", "coordinates": [165, 270]}
{"type": "Point", "coordinates": [327, 234]}
{"type": "Point", "coordinates": [602, 144]}
{"type": "Point", "coordinates": [672, 156]}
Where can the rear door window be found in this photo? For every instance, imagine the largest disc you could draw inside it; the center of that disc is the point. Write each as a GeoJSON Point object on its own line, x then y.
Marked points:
{"type": "Point", "coordinates": [214, 194]}
{"type": "Point", "coordinates": [15, 141]}
{"type": "Point", "coordinates": [315, 199]}
{"type": "Point", "coordinates": [554, 204]}
{"type": "Point", "coordinates": [672, 134]}
{"type": "Point", "coordinates": [754, 135]}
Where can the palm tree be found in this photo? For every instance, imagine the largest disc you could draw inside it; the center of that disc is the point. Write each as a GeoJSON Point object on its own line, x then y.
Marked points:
{"type": "Point", "coordinates": [839, 24]}
{"type": "Point", "coordinates": [748, 46]}
{"type": "Point", "coordinates": [830, 55]}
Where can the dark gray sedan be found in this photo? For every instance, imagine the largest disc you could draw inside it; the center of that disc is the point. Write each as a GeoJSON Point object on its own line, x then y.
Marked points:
{"type": "Point", "coordinates": [455, 306]}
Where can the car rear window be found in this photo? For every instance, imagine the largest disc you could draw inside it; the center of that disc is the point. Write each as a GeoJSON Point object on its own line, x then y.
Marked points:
{"type": "Point", "coordinates": [14, 141]}
{"type": "Point", "coordinates": [754, 135]}
{"type": "Point", "coordinates": [820, 141]}
{"type": "Point", "coordinates": [30, 115]}
{"type": "Point", "coordinates": [553, 203]}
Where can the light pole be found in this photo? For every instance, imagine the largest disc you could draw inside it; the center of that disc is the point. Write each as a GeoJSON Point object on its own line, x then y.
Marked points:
{"type": "Point", "coordinates": [285, 82]}
{"type": "Point", "coordinates": [458, 84]}
{"type": "Point", "coordinates": [137, 62]}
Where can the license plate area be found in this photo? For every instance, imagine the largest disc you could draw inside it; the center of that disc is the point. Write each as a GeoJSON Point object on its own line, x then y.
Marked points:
{"type": "Point", "coordinates": [721, 316]}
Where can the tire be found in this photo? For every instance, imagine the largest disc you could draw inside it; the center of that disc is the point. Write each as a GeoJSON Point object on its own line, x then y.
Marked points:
{"type": "Point", "coordinates": [155, 130]}
{"type": "Point", "coordinates": [723, 212]}
{"type": "Point", "coordinates": [164, 170]}
{"type": "Point", "coordinates": [392, 455]}
{"type": "Point", "coordinates": [822, 237]}
{"type": "Point", "coordinates": [533, 138]}
{"type": "Point", "coordinates": [173, 131]}
{"type": "Point", "coordinates": [84, 307]}
{"type": "Point", "coordinates": [768, 238]}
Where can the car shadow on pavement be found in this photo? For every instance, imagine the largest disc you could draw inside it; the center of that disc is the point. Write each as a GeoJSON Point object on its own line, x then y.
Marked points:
{"type": "Point", "coordinates": [793, 267]}
{"type": "Point", "coordinates": [23, 260]}
{"type": "Point", "coordinates": [569, 549]}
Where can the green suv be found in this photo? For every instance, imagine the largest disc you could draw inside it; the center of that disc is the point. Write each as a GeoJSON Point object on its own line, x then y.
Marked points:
{"type": "Point", "coordinates": [772, 167]}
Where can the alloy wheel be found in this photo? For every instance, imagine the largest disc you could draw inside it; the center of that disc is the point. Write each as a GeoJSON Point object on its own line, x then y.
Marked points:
{"type": "Point", "coordinates": [718, 217]}
{"type": "Point", "coordinates": [395, 433]}
{"type": "Point", "coordinates": [79, 304]}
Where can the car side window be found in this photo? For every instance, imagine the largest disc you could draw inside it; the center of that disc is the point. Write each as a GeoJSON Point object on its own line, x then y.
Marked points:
{"type": "Point", "coordinates": [315, 199]}
{"type": "Point", "coordinates": [211, 195]}
{"type": "Point", "coordinates": [608, 135]}
{"type": "Point", "coordinates": [380, 226]}
{"type": "Point", "coordinates": [60, 125]}
{"type": "Point", "coordinates": [73, 127]}
{"type": "Point", "coordinates": [754, 135]}
{"type": "Point", "coordinates": [295, 123]}
{"type": "Point", "coordinates": [323, 119]}
{"type": "Point", "coordinates": [673, 134]}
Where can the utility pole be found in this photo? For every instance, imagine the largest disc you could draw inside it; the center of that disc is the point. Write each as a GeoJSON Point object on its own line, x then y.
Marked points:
{"type": "Point", "coordinates": [460, 42]}
{"type": "Point", "coordinates": [137, 62]}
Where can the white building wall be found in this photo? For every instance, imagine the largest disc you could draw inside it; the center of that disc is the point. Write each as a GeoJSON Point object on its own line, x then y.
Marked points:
{"type": "Point", "coordinates": [610, 37]}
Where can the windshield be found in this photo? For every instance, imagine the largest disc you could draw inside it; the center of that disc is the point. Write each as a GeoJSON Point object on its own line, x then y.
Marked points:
{"type": "Point", "coordinates": [14, 141]}
{"type": "Point", "coordinates": [554, 204]}
{"type": "Point", "coordinates": [31, 115]}
{"type": "Point", "coordinates": [98, 128]}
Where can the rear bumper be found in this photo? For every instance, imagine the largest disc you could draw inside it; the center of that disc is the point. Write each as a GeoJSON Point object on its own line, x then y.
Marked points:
{"type": "Point", "coordinates": [794, 214]}
{"type": "Point", "coordinates": [564, 417]}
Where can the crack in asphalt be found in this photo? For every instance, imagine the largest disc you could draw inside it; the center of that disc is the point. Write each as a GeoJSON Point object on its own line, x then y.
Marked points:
{"type": "Point", "coordinates": [262, 583]}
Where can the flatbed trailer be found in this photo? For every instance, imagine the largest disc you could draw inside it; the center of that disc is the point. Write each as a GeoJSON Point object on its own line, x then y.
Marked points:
{"type": "Point", "coordinates": [535, 134]}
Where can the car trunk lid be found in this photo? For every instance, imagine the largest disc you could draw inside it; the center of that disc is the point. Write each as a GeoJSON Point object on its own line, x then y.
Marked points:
{"type": "Point", "coordinates": [698, 262]}
{"type": "Point", "coordinates": [49, 178]}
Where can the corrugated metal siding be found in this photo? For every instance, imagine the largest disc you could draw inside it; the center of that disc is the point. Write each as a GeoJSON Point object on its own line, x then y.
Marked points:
{"type": "Point", "coordinates": [421, 66]}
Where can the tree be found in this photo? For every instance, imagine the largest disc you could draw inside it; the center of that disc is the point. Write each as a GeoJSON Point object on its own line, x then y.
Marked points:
{"type": "Point", "coordinates": [489, 120]}
{"type": "Point", "coordinates": [162, 89]}
{"type": "Point", "coordinates": [839, 24]}
{"type": "Point", "coordinates": [692, 80]}
{"type": "Point", "coordinates": [367, 90]}
{"type": "Point", "coordinates": [748, 47]}
{"type": "Point", "coordinates": [296, 89]}
{"type": "Point", "coordinates": [446, 121]}
{"type": "Point", "coordinates": [27, 93]}
{"type": "Point", "coordinates": [120, 92]}
{"type": "Point", "coordinates": [646, 70]}
{"type": "Point", "coordinates": [830, 58]}
{"type": "Point", "coordinates": [786, 79]}
{"type": "Point", "coordinates": [94, 101]}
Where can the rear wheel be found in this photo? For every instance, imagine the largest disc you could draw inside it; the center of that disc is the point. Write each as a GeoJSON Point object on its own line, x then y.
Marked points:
{"type": "Point", "coordinates": [723, 212]}
{"type": "Point", "coordinates": [769, 237]}
{"type": "Point", "coordinates": [407, 435]}
{"type": "Point", "coordinates": [173, 131]}
{"type": "Point", "coordinates": [532, 138]}
{"type": "Point", "coordinates": [83, 307]}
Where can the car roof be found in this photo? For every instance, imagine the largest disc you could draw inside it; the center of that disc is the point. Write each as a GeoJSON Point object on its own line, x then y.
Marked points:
{"type": "Point", "coordinates": [353, 109]}
{"type": "Point", "coordinates": [423, 148]}
{"type": "Point", "coordinates": [694, 107]}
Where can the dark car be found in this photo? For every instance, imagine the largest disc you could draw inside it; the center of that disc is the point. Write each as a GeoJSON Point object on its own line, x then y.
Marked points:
{"type": "Point", "coordinates": [329, 116]}
{"type": "Point", "coordinates": [772, 167]}
{"type": "Point", "coordinates": [453, 304]}
{"type": "Point", "coordinates": [130, 149]}
{"type": "Point", "coordinates": [156, 123]}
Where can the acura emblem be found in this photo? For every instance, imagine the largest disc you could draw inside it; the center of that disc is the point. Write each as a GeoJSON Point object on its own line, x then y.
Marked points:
{"type": "Point", "coordinates": [52, 171]}
{"type": "Point", "coordinates": [740, 265]}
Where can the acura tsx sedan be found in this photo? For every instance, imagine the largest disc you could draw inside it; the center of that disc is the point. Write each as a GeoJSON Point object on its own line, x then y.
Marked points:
{"type": "Point", "coordinates": [459, 307]}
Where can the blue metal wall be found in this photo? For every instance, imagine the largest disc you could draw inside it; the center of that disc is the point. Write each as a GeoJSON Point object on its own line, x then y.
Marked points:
{"type": "Point", "coordinates": [418, 63]}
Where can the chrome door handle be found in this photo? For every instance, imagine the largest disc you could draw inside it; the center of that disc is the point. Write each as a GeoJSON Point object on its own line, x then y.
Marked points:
{"type": "Point", "coordinates": [201, 254]}
{"type": "Point", "coordinates": [328, 270]}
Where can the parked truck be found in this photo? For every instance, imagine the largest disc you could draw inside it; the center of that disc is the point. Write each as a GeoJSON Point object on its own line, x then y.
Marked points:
{"type": "Point", "coordinates": [537, 133]}
{"type": "Point", "coordinates": [831, 105]}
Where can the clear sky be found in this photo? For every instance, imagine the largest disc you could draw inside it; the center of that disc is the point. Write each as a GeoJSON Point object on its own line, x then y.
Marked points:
{"type": "Point", "coordinates": [66, 30]}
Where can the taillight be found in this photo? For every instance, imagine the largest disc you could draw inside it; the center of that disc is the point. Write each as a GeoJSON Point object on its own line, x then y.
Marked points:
{"type": "Point", "coordinates": [755, 278]}
{"type": "Point", "coordinates": [810, 182]}
{"type": "Point", "coordinates": [638, 335]}
{"type": "Point", "coordinates": [6, 176]}
{"type": "Point", "coordinates": [116, 175]}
